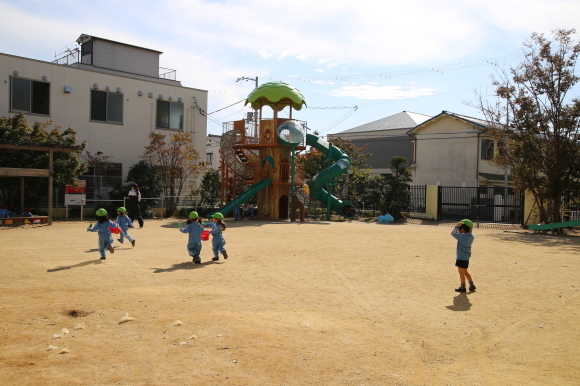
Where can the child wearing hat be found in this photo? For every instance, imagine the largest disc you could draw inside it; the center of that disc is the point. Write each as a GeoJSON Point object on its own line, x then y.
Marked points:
{"type": "Point", "coordinates": [102, 227]}
{"type": "Point", "coordinates": [124, 222]}
{"type": "Point", "coordinates": [195, 229]}
{"type": "Point", "coordinates": [217, 226]}
{"type": "Point", "coordinates": [462, 233]}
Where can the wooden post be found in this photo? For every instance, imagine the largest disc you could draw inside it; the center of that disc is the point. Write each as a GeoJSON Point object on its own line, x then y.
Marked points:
{"type": "Point", "coordinates": [50, 182]}
{"type": "Point", "coordinates": [21, 195]}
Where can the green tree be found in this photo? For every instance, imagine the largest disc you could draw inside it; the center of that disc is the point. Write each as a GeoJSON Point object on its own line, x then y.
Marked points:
{"type": "Point", "coordinates": [315, 161]}
{"type": "Point", "coordinates": [536, 123]}
{"type": "Point", "coordinates": [177, 160]}
{"type": "Point", "coordinates": [67, 166]}
{"type": "Point", "coordinates": [397, 193]}
{"type": "Point", "coordinates": [209, 189]}
{"type": "Point", "coordinates": [374, 192]}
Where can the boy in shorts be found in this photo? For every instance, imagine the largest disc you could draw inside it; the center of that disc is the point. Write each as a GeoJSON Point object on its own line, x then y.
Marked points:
{"type": "Point", "coordinates": [462, 232]}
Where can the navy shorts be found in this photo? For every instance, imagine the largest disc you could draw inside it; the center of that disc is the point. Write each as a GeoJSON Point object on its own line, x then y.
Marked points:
{"type": "Point", "coordinates": [462, 263]}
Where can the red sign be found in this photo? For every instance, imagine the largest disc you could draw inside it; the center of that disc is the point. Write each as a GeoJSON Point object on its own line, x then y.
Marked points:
{"type": "Point", "coordinates": [81, 187]}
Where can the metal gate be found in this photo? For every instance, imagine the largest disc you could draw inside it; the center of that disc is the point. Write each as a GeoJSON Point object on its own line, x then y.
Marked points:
{"type": "Point", "coordinates": [482, 204]}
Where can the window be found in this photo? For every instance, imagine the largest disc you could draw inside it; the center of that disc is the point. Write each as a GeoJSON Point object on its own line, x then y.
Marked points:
{"type": "Point", "coordinates": [169, 115]}
{"type": "Point", "coordinates": [29, 96]}
{"type": "Point", "coordinates": [106, 106]}
{"type": "Point", "coordinates": [208, 158]}
{"type": "Point", "coordinates": [487, 149]}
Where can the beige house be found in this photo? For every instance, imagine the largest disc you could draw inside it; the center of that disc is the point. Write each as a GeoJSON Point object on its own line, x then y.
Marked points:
{"type": "Point", "coordinates": [113, 94]}
{"type": "Point", "coordinates": [212, 151]}
{"type": "Point", "coordinates": [453, 150]}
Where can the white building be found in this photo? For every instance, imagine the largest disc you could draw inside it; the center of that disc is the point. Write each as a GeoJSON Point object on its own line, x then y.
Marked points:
{"type": "Point", "coordinates": [112, 94]}
{"type": "Point", "coordinates": [212, 151]}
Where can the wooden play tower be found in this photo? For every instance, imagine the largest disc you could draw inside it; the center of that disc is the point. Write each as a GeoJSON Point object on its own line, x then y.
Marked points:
{"type": "Point", "coordinates": [257, 155]}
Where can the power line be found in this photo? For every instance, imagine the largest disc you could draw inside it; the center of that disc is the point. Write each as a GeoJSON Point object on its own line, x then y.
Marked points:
{"type": "Point", "coordinates": [223, 108]}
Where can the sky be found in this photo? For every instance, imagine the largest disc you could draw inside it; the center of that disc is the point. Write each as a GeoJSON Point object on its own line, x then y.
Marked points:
{"type": "Point", "coordinates": [353, 61]}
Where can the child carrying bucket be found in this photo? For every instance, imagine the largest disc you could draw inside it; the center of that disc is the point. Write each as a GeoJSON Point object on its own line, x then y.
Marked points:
{"type": "Point", "coordinates": [217, 226]}
{"type": "Point", "coordinates": [195, 229]}
{"type": "Point", "coordinates": [103, 226]}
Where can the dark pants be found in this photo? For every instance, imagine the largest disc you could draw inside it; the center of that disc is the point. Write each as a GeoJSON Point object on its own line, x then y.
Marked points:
{"type": "Point", "coordinates": [134, 212]}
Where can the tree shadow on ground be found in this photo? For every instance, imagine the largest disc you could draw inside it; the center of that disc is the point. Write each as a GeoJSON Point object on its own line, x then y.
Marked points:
{"type": "Point", "coordinates": [187, 265]}
{"type": "Point", "coordinates": [64, 267]}
{"type": "Point", "coordinates": [559, 241]}
{"type": "Point", "coordinates": [460, 303]}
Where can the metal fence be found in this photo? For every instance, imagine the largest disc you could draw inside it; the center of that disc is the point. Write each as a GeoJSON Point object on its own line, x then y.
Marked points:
{"type": "Point", "coordinates": [418, 194]}
{"type": "Point", "coordinates": [485, 204]}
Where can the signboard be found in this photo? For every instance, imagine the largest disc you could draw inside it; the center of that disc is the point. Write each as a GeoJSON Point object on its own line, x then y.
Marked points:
{"type": "Point", "coordinates": [81, 187]}
{"type": "Point", "coordinates": [75, 199]}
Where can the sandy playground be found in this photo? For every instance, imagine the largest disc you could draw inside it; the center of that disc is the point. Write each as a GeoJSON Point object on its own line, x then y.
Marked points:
{"type": "Point", "coordinates": [326, 303]}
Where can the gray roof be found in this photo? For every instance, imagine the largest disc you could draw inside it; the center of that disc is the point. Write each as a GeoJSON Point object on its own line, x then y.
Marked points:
{"type": "Point", "coordinates": [402, 120]}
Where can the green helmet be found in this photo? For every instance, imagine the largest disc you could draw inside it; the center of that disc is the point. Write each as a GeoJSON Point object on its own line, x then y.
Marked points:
{"type": "Point", "coordinates": [193, 215]}
{"type": "Point", "coordinates": [101, 212]}
{"type": "Point", "coordinates": [122, 209]}
{"type": "Point", "coordinates": [218, 215]}
{"type": "Point", "coordinates": [467, 222]}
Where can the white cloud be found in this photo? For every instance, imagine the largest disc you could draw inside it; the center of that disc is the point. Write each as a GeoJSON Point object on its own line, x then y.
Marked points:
{"type": "Point", "coordinates": [302, 57]}
{"type": "Point", "coordinates": [318, 70]}
{"type": "Point", "coordinates": [382, 92]}
{"type": "Point", "coordinates": [264, 55]}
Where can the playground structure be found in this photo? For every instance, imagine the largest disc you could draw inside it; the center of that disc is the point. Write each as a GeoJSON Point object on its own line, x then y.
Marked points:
{"type": "Point", "coordinates": [258, 158]}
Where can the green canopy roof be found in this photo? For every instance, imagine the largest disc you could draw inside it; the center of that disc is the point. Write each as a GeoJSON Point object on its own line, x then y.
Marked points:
{"type": "Point", "coordinates": [276, 92]}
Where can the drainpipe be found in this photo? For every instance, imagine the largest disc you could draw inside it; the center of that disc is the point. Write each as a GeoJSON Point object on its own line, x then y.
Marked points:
{"type": "Point", "coordinates": [478, 147]}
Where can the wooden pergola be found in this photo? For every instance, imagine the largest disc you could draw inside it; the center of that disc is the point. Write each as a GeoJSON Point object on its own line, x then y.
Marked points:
{"type": "Point", "coordinates": [11, 146]}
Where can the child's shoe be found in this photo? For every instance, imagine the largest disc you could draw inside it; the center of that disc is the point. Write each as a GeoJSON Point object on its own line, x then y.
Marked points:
{"type": "Point", "coordinates": [110, 247]}
{"type": "Point", "coordinates": [196, 259]}
{"type": "Point", "coordinates": [119, 240]}
{"type": "Point", "coordinates": [472, 288]}
{"type": "Point", "coordinates": [103, 258]}
{"type": "Point", "coordinates": [225, 254]}
{"type": "Point", "coordinates": [460, 289]}
{"type": "Point", "coordinates": [215, 258]}
{"type": "Point", "coordinates": [133, 243]}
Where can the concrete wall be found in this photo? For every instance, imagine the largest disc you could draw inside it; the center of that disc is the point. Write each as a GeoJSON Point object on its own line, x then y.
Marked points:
{"type": "Point", "coordinates": [126, 58]}
{"type": "Point", "coordinates": [448, 154]}
{"type": "Point", "coordinates": [125, 142]}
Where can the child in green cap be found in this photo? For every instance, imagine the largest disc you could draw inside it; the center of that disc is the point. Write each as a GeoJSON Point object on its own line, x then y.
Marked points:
{"type": "Point", "coordinates": [194, 229]}
{"type": "Point", "coordinates": [124, 222]}
{"type": "Point", "coordinates": [462, 233]}
{"type": "Point", "coordinates": [102, 227]}
{"type": "Point", "coordinates": [217, 226]}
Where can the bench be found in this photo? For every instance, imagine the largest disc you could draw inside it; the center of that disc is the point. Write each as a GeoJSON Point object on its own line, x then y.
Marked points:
{"type": "Point", "coordinates": [23, 220]}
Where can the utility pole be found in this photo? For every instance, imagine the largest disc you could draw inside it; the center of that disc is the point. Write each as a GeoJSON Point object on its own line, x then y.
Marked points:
{"type": "Point", "coordinates": [256, 80]}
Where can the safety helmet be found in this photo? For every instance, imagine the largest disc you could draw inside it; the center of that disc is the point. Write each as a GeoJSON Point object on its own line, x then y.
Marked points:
{"type": "Point", "coordinates": [121, 209]}
{"type": "Point", "coordinates": [101, 212]}
{"type": "Point", "coordinates": [193, 215]}
{"type": "Point", "coordinates": [218, 215]}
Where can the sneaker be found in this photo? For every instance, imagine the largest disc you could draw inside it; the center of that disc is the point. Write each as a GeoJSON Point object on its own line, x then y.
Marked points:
{"type": "Point", "coordinates": [119, 240]}
{"type": "Point", "coordinates": [110, 247]}
{"type": "Point", "coordinates": [472, 288]}
{"type": "Point", "coordinates": [140, 225]}
{"type": "Point", "coordinates": [196, 259]}
{"type": "Point", "coordinates": [225, 254]}
{"type": "Point", "coordinates": [460, 289]}
{"type": "Point", "coordinates": [133, 243]}
{"type": "Point", "coordinates": [215, 258]}
{"type": "Point", "coordinates": [103, 258]}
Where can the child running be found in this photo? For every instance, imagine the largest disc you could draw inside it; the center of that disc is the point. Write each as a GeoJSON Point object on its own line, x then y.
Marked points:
{"type": "Point", "coordinates": [217, 226]}
{"type": "Point", "coordinates": [195, 229]}
{"type": "Point", "coordinates": [102, 227]}
{"type": "Point", "coordinates": [462, 232]}
{"type": "Point", "coordinates": [124, 222]}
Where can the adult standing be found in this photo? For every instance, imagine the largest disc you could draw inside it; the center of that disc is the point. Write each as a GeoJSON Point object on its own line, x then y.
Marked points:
{"type": "Point", "coordinates": [133, 204]}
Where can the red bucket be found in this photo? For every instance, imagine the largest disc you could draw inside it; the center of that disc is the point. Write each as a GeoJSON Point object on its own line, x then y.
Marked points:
{"type": "Point", "coordinates": [115, 230]}
{"type": "Point", "coordinates": [205, 235]}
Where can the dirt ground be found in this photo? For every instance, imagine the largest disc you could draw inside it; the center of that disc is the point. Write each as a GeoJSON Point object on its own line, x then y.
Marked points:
{"type": "Point", "coordinates": [326, 303]}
